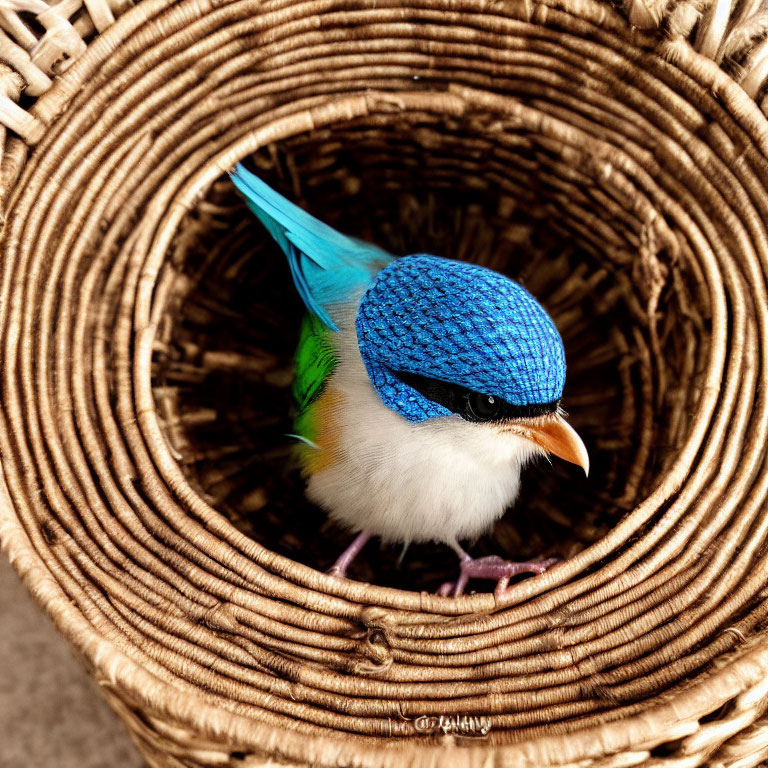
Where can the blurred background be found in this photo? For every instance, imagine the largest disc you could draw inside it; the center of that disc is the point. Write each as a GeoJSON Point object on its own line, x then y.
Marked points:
{"type": "Point", "coordinates": [51, 713]}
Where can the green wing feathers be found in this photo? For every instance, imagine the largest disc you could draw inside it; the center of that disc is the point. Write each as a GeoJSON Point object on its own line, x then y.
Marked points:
{"type": "Point", "coordinates": [315, 361]}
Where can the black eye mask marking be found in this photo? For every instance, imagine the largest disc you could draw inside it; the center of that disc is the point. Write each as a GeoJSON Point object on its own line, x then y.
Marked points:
{"type": "Point", "coordinates": [472, 406]}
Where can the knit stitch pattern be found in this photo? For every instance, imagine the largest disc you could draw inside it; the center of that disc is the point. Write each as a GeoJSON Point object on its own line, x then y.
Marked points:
{"type": "Point", "coordinates": [459, 323]}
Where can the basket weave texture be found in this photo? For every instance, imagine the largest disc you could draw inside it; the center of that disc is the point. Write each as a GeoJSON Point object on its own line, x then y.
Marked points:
{"type": "Point", "coordinates": [629, 171]}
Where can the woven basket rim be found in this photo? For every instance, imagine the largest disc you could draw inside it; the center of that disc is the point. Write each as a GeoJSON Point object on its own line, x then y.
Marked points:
{"type": "Point", "coordinates": [654, 726]}
{"type": "Point", "coordinates": [745, 676]}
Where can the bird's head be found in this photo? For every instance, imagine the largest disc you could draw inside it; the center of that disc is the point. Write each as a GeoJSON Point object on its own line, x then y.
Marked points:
{"type": "Point", "coordinates": [442, 338]}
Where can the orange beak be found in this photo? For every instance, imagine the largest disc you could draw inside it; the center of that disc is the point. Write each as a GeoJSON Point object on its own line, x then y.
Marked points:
{"type": "Point", "coordinates": [556, 436]}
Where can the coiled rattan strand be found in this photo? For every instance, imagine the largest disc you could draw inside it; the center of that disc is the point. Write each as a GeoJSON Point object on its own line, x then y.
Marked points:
{"type": "Point", "coordinates": [219, 651]}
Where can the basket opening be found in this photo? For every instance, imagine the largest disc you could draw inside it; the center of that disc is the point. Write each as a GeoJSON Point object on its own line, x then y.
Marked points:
{"type": "Point", "coordinates": [461, 189]}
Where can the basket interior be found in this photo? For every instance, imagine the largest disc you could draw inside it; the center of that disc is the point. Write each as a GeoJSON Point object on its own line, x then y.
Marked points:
{"type": "Point", "coordinates": [458, 188]}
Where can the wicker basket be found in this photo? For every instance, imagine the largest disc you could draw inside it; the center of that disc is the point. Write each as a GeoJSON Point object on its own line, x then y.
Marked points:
{"type": "Point", "coordinates": [146, 329]}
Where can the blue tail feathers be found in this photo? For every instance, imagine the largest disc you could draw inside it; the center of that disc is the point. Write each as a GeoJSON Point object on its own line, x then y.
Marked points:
{"type": "Point", "coordinates": [328, 267]}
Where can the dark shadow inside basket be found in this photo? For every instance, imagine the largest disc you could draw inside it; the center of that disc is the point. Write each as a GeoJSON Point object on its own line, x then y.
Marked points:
{"type": "Point", "coordinates": [222, 371]}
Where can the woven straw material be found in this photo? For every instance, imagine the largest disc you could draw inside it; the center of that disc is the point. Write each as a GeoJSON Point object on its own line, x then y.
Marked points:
{"type": "Point", "coordinates": [39, 40]}
{"type": "Point", "coordinates": [625, 188]}
{"type": "Point", "coordinates": [733, 33]}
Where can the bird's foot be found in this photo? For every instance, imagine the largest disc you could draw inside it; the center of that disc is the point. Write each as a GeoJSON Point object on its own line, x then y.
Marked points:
{"type": "Point", "coordinates": [492, 567]}
{"type": "Point", "coordinates": [339, 568]}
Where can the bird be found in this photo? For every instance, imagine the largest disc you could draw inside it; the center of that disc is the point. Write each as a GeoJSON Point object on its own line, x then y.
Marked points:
{"type": "Point", "coordinates": [423, 386]}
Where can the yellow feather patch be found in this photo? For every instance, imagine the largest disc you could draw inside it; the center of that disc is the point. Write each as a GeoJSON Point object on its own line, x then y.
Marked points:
{"type": "Point", "coordinates": [324, 412]}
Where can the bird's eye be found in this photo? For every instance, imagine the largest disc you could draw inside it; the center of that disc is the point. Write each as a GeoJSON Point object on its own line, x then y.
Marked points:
{"type": "Point", "coordinates": [482, 407]}
{"type": "Point", "coordinates": [470, 405]}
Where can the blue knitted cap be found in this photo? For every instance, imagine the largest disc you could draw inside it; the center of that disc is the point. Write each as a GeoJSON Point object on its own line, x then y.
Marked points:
{"type": "Point", "coordinates": [458, 323]}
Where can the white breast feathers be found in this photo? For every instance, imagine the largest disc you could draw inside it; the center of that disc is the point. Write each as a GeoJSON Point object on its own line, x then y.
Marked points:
{"type": "Point", "coordinates": [443, 479]}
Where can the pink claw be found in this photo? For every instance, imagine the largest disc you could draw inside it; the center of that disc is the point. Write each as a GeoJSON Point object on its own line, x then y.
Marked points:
{"type": "Point", "coordinates": [491, 567]}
